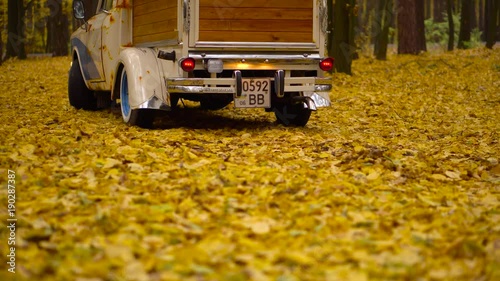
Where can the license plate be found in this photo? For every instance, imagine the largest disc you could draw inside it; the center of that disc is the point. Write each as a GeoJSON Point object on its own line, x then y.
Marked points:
{"type": "Point", "coordinates": [256, 92]}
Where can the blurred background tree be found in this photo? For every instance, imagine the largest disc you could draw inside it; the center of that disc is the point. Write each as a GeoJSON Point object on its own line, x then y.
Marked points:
{"type": "Point", "coordinates": [341, 40]}
{"type": "Point", "coordinates": [34, 27]}
{"type": "Point", "coordinates": [492, 22]}
{"type": "Point", "coordinates": [365, 27]}
{"type": "Point", "coordinates": [466, 16]}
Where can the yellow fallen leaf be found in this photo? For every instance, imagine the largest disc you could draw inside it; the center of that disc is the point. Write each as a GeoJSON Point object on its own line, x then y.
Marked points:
{"type": "Point", "coordinates": [111, 163]}
{"type": "Point", "coordinates": [260, 227]}
{"type": "Point", "coordinates": [439, 177]}
{"type": "Point", "coordinates": [452, 175]}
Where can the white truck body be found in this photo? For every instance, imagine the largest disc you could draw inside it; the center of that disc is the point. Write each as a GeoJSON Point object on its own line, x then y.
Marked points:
{"type": "Point", "coordinates": [256, 53]}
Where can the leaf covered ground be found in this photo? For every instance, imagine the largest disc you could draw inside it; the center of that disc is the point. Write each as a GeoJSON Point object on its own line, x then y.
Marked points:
{"type": "Point", "coordinates": [397, 180]}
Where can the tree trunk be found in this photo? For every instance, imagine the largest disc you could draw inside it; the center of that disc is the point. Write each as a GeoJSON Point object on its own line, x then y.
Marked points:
{"type": "Point", "coordinates": [57, 26]}
{"type": "Point", "coordinates": [465, 25]}
{"type": "Point", "coordinates": [341, 38]}
{"type": "Point", "coordinates": [492, 10]}
{"type": "Point", "coordinates": [15, 29]}
{"type": "Point", "coordinates": [411, 30]}
{"type": "Point", "coordinates": [422, 43]}
{"type": "Point", "coordinates": [451, 25]}
{"type": "Point", "coordinates": [481, 19]}
{"type": "Point", "coordinates": [383, 23]}
{"type": "Point", "coordinates": [1, 50]}
{"type": "Point", "coordinates": [428, 9]}
{"type": "Point", "coordinates": [473, 20]}
{"type": "Point", "coordinates": [1, 30]}
{"type": "Point", "coordinates": [353, 21]}
{"type": "Point", "coordinates": [439, 9]}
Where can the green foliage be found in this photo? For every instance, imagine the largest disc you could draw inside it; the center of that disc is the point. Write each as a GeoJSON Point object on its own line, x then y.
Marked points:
{"type": "Point", "coordinates": [438, 32]}
{"type": "Point", "coordinates": [475, 39]}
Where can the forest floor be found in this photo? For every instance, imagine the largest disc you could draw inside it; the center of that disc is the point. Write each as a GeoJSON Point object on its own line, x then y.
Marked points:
{"type": "Point", "coordinates": [397, 180]}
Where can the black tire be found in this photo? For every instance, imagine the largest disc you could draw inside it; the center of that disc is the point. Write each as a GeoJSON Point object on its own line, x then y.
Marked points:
{"type": "Point", "coordinates": [292, 114]}
{"type": "Point", "coordinates": [215, 102]}
{"type": "Point", "coordinates": [80, 97]}
{"type": "Point", "coordinates": [143, 118]}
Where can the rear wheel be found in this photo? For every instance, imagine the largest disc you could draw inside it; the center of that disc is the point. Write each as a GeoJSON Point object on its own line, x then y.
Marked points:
{"type": "Point", "coordinates": [80, 97]}
{"type": "Point", "coordinates": [137, 117]}
{"type": "Point", "coordinates": [292, 114]}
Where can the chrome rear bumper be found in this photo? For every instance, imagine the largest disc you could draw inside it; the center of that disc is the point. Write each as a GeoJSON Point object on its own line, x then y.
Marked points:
{"type": "Point", "coordinates": [316, 88]}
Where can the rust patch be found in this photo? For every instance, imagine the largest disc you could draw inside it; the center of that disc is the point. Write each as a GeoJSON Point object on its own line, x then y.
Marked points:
{"type": "Point", "coordinates": [111, 19]}
{"type": "Point", "coordinates": [129, 44]}
{"type": "Point", "coordinates": [140, 78]}
{"type": "Point", "coordinates": [125, 4]}
{"type": "Point", "coordinates": [149, 72]}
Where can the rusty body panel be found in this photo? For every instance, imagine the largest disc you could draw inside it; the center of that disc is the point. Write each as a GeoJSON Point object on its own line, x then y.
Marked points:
{"type": "Point", "coordinates": [154, 21]}
{"type": "Point", "coordinates": [256, 21]}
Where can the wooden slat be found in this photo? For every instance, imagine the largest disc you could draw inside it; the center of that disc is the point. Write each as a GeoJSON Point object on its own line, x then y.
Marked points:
{"type": "Point", "coordinates": [157, 27]}
{"type": "Point", "coordinates": [255, 14]}
{"type": "Point", "coordinates": [308, 4]}
{"type": "Point", "coordinates": [155, 37]}
{"type": "Point", "coordinates": [153, 6]}
{"type": "Point", "coordinates": [154, 20]}
{"type": "Point", "coordinates": [238, 36]}
{"type": "Point", "coordinates": [159, 15]}
{"type": "Point", "coordinates": [256, 21]}
{"type": "Point", "coordinates": [250, 25]}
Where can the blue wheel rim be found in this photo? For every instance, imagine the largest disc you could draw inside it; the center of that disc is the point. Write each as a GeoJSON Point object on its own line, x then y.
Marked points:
{"type": "Point", "coordinates": [124, 96]}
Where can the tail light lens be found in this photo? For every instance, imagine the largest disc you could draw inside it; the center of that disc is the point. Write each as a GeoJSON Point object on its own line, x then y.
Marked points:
{"type": "Point", "coordinates": [188, 64]}
{"type": "Point", "coordinates": [327, 64]}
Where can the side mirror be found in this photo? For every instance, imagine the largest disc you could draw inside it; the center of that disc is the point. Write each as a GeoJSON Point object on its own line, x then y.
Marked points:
{"type": "Point", "coordinates": [79, 10]}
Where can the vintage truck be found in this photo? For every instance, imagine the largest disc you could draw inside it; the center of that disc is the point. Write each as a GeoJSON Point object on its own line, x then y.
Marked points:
{"type": "Point", "coordinates": [148, 54]}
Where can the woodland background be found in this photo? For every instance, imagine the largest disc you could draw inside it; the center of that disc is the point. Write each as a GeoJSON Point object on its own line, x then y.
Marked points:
{"type": "Point", "coordinates": [33, 27]}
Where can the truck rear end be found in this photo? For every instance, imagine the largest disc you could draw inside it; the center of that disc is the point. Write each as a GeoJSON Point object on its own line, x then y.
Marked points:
{"type": "Point", "coordinates": [258, 54]}
{"type": "Point", "coordinates": [261, 53]}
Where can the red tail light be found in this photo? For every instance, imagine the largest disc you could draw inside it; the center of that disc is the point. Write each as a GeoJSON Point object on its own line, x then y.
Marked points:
{"type": "Point", "coordinates": [188, 64]}
{"type": "Point", "coordinates": [326, 64]}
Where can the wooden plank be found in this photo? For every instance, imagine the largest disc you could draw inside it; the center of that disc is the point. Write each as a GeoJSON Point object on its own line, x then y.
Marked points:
{"type": "Point", "coordinates": [155, 37]}
{"type": "Point", "coordinates": [256, 21]}
{"type": "Point", "coordinates": [238, 36]}
{"type": "Point", "coordinates": [154, 20]}
{"type": "Point", "coordinates": [257, 3]}
{"type": "Point", "coordinates": [153, 6]}
{"type": "Point", "coordinates": [251, 25]}
{"type": "Point", "coordinates": [171, 3]}
{"type": "Point", "coordinates": [255, 14]}
{"type": "Point", "coordinates": [156, 27]}
{"type": "Point", "coordinates": [157, 16]}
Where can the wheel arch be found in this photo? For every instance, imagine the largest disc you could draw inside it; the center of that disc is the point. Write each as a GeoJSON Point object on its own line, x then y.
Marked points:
{"type": "Point", "coordinates": [115, 90]}
{"type": "Point", "coordinates": [76, 56]}
{"type": "Point", "coordinates": [143, 75]}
